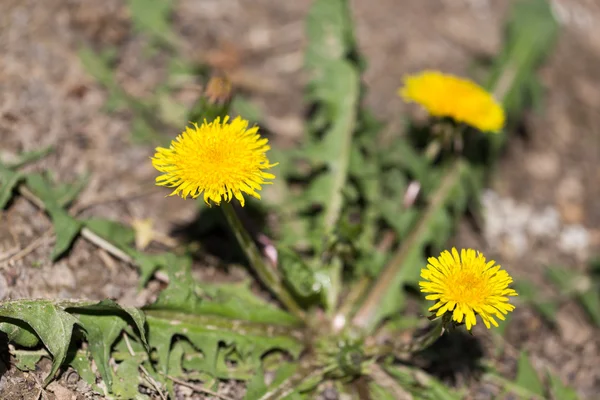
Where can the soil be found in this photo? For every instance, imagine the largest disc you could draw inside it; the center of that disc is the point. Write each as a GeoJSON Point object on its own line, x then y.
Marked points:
{"type": "Point", "coordinates": [47, 98]}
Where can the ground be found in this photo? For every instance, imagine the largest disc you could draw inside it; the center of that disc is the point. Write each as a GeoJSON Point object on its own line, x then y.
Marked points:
{"type": "Point", "coordinates": [549, 176]}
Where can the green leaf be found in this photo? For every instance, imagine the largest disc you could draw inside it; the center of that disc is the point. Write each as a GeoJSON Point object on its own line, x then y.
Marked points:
{"type": "Point", "coordinates": [246, 109]}
{"type": "Point", "coordinates": [26, 360]}
{"type": "Point", "coordinates": [82, 364]}
{"type": "Point", "coordinates": [66, 228]}
{"type": "Point", "coordinates": [527, 377]}
{"type": "Point", "coordinates": [98, 65]}
{"type": "Point", "coordinates": [127, 378]}
{"type": "Point", "coordinates": [53, 321]}
{"type": "Point", "coordinates": [117, 233]}
{"type": "Point", "coordinates": [221, 322]}
{"type": "Point", "coordinates": [9, 180]}
{"type": "Point", "coordinates": [30, 156]}
{"type": "Point", "coordinates": [103, 323]}
{"type": "Point", "coordinates": [51, 324]}
{"type": "Point", "coordinates": [559, 390]}
{"type": "Point", "coordinates": [152, 18]}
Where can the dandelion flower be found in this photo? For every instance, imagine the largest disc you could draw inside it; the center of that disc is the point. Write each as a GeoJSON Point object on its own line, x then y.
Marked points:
{"type": "Point", "coordinates": [466, 285]}
{"type": "Point", "coordinates": [221, 160]}
{"type": "Point", "coordinates": [444, 95]}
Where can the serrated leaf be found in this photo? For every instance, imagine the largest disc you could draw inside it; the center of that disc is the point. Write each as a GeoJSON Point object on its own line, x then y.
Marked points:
{"type": "Point", "coordinates": [527, 377]}
{"type": "Point", "coordinates": [103, 323]}
{"type": "Point", "coordinates": [218, 322]}
{"type": "Point", "coordinates": [127, 378]}
{"type": "Point", "coordinates": [26, 360]}
{"type": "Point", "coordinates": [51, 324]}
{"type": "Point", "coordinates": [82, 364]}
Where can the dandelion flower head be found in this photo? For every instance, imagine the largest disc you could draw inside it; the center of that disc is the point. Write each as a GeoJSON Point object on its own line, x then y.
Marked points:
{"type": "Point", "coordinates": [464, 101]}
{"type": "Point", "coordinates": [466, 284]}
{"type": "Point", "coordinates": [220, 159]}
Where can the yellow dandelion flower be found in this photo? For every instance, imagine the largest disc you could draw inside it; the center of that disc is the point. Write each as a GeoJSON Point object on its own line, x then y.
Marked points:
{"type": "Point", "coordinates": [444, 95]}
{"type": "Point", "coordinates": [466, 285]}
{"type": "Point", "coordinates": [223, 160]}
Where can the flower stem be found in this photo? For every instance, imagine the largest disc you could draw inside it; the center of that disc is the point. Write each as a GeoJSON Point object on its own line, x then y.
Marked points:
{"type": "Point", "coordinates": [370, 312]}
{"type": "Point", "coordinates": [266, 274]}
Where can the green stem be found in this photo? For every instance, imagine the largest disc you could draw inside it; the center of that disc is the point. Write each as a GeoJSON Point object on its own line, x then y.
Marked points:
{"type": "Point", "coordinates": [266, 274]}
{"type": "Point", "coordinates": [418, 343]}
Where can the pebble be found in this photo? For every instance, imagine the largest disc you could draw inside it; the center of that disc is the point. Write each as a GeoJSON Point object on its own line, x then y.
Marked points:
{"type": "Point", "coordinates": [574, 239]}
{"type": "Point", "coordinates": [545, 223]}
{"type": "Point", "coordinates": [512, 226]}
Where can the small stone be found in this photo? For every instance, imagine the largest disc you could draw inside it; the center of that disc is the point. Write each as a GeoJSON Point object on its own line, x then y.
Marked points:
{"type": "Point", "coordinates": [517, 243]}
{"type": "Point", "coordinates": [545, 223]}
{"type": "Point", "coordinates": [543, 166]}
{"type": "Point", "coordinates": [574, 239]}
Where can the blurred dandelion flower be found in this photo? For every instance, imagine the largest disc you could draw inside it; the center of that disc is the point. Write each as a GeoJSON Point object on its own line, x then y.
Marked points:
{"type": "Point", "coordinates": [223, 160]}
{"type": "Point", "coordinates": [444, 95]}
{"type": "Point", "coordinates": [466, 285]}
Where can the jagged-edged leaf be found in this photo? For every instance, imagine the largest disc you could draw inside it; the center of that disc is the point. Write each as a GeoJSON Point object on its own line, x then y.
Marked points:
{"type": "Point", "coordinates": [51, 324]}
{"type": "Point", "coordinates": [66, 228]}
{"type": "Point", "coordinates": [527, 377]}
{"type": "Point", "coordinates": [53, 321]}
{"type": "Point", "coordinates": [219, 323]}
{"type": "Point", "coordinates": [127, 378]}
{"type": "Point", "coordinates": [215, 337]}
{"type": "Point", "coordinates": [232, 301]}
{"type": "Point", "coordinates": [26, 360]}
{"type": "Point", "coordinates": [103, 323]}
{"type": "Point", "coordinates": [81, 362]}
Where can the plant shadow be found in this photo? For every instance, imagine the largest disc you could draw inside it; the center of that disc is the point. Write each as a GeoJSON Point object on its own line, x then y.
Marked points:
{"type": "Point", "coordinates": [210, 230]}
{"type": "Point", "coordinates": [453, 358]}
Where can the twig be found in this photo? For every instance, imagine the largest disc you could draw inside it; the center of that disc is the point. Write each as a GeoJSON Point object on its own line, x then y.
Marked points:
{"type": "Point", "coordinates": [111, 198]}
{"type": "Point", "coordinates": [358, 290]}
{"type": "Point", "coordinates": [198, 388]}
{"type": "Point", "coordinates": [365, 317]}
{"type": "Point", "coordinates": [85, 232]}
{"type": "Point", "coordinates": [7, 259]}
{"type": "Point", "coordinates": [384, 380]}
{"type": "Point", "coordinates": [150, 379]}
